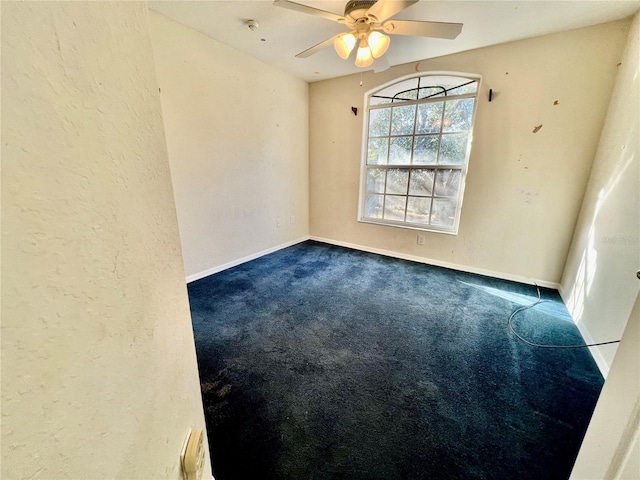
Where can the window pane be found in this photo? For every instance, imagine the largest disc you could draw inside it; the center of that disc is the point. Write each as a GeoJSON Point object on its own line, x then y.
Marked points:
{"type": "Point", "coordinates": [411, 94]}
{"type": "Point", "coordinates": [448, 182]}
{"type": "Point", "coordinates": [375, 180]}
{"type": "Point", "coordinates": [400, 151]}
{"type": "Point", "coordinates": [462, 89]}
{"type": "Point", "coordinates": [394, 207]}
{"type": "Point", "coordinates": [443, 212]}
{"type": "Point", "coordinates": [421, 181]}
{"type": "Point", "coordinates": [418, 210]}
{"type": "Point", "coordinates": [379, 122]}
{"type": "Point", "coordinates": [429, 117]}
{"type": "Point", "coordinates": [431, 92]}
{"type": "Point", "coordinates": [379, 101]}
{"type": "Point", "coordinates": [453, 149]}
{"type": "Point", "coordinates": [425, 150]}
{"type": "Point", "coordinates": [397, 179]}
{"type": "Point", "coordinates": [393, 90]}
{"type": "Point", "coordinates": [373, 206]}
{"type": "Point", "coordinates": [377, 151]}
{"type": "Point", "coordinates": [402, 120]}
{"type": "Point", "coordinates": [447, 82]}
{"type": "Point", "coordinates": [458, 115]}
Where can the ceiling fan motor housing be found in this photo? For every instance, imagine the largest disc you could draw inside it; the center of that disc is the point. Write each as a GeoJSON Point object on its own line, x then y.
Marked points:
{"type": "Point", "coordinates": [358, 8]}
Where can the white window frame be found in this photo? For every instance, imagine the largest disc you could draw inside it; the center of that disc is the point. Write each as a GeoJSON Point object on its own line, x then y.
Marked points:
{"type": "Point", "coordinates": [453, 230]}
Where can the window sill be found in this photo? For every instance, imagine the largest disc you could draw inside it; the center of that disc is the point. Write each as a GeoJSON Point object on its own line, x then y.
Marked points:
{"type": "Point", "coordinates": [387, 223]}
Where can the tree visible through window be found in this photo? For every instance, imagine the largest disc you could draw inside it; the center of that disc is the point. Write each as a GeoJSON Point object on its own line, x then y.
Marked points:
{"type": "Point", "coordinates": [418, 139]}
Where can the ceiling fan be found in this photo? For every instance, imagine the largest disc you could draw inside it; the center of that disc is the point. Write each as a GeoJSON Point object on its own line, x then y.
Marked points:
{"type": "Point", "coordinates": [368, 21]}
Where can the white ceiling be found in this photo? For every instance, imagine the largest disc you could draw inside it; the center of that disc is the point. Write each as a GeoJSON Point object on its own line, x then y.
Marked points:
{"type": "Point", "coordinates": [287, 32]}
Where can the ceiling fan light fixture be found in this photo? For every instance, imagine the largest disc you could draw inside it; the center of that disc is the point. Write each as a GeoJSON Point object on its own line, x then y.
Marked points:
{"type": "Point", "coordinates": [344, 45]}
{"type": "Point", "coordinates": [364, 57]}
{"type": "Point", "coordinates": [369, 21]}
{"type": "Point", "coordinates": [378, 43]}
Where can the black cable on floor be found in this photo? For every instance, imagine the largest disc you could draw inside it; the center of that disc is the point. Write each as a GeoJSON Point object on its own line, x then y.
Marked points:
{"type": "Point", "coordinates": [521, 338]}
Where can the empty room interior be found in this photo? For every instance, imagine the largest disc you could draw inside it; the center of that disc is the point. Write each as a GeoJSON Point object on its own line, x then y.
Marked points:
{"type": "Point", "coordinates": [381, 266]}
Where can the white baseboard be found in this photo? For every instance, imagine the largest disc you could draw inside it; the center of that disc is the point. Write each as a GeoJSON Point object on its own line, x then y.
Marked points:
{"type": "Point", "coordinates": [439, 263]}
{"type": "Point", "coordinates": [233, 263]}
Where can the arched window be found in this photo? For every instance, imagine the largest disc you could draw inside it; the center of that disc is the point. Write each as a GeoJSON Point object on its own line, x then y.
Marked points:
{"type": "Point", "coordinates": [417, 142]}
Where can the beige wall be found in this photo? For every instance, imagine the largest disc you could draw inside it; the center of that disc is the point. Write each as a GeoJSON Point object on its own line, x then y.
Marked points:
{"type": "Point", "coordinates": [610, 450]}
{"type": "Point", "coordinates": [238, 139]}
{"type": "Point", "coordinates": [99, 376]}
{"type": "Point", "coordinates": [523, 190]}
{"type": "Point", "coordinates": [599, 284]}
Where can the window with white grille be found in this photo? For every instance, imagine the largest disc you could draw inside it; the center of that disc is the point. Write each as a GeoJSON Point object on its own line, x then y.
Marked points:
{"type": "Point", "coordinates": [418, 136]}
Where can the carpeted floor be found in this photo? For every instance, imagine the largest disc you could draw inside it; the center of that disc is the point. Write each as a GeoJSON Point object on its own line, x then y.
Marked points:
{"type": "Point", "coordinates": [325, 363]}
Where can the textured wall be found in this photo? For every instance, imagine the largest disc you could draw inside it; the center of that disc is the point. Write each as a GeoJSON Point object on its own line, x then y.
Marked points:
{"type": "Point", "coordinates": [523, 189]}
{"type": "Point", "coordinates": [238, 140]}
{"type": "Point", "coordinates": [99, 375]}
{"type": "Point", "coordinates": [599, 283]}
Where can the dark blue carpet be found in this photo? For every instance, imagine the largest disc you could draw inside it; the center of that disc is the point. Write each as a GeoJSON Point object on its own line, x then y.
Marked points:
{"type": "Point", "coordinates": [321, 362]}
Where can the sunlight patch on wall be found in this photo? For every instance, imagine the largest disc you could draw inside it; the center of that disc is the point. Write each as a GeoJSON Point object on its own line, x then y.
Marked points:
{"type": "Point", "coordinates": [588, 264]}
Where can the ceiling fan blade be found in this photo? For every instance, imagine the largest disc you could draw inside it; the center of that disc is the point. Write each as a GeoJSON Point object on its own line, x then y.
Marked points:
{"type": "Point", "coordinates": [316, 48]}
{"type": "Point", "coordinates": [423, 29]}
{"type": "Point", "coordinates": [309, 10]}
{"type": "Point", "coordinates": [384, 9]}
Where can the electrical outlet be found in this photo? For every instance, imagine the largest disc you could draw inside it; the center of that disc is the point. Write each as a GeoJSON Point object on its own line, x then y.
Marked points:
{"type": "Point", "coordinates": [420, 239]}
{"type": "Point", "coordinates": [292, 219]}
{"type": "Point", "coordinates": [278, 222]}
